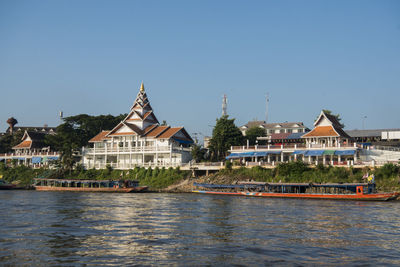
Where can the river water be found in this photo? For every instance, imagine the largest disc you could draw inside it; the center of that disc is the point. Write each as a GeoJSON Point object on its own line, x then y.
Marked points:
{"type": "Point", "coordinates": [75, 229]}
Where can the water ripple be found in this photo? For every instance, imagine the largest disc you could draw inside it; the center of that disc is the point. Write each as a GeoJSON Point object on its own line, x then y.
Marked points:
{"type": "Point", "coordinates": [64, 229]}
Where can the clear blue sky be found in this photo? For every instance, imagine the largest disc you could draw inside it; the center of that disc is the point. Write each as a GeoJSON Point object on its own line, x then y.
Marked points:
{"type": "Point", "coordinates": [91, 56]}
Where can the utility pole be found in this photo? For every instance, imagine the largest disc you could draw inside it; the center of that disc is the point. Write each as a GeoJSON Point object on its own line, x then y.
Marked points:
{"type": "Point", "coordinates": [363, 122]}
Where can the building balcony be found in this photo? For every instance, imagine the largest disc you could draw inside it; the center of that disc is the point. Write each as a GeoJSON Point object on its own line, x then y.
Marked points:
{"type": "Point", "coordinates": [292, 147]}
{"type": "Point", "coordinates": [128, 166]}
{"type": "Point", "coordinates": [29, 154]}
{"type": "Point", "coordinates": [133, 150]}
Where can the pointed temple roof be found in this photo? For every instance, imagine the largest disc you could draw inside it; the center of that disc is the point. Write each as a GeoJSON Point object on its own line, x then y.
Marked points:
{"type": "Point", "coordinates": [142, 121]}
{"type": "Point", "coordinates": [31, 140]}
{"type": "Point", "coordinates": [140, 117]}
{"type": "Point", "coordinates": [326, 126]}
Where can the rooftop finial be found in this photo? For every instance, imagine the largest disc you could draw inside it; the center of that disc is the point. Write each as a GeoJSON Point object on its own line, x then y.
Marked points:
{"type": "Point", "coordinates": [142, 87]}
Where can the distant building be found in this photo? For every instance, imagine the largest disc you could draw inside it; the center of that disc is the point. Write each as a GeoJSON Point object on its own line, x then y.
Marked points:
{"type": "Point", "coordinates": [276, 128]}
{"type": "Point", "coordinates": [326, 143]}
{"type": "Point", "coordinates": [207, 141]}
{"type": "Point", "coordinates": [139, 140]}
{"type": "Point", "coordinates": [45, 129]}
{"type": "Point", "coordinates": [32, 150]}
{"type": "Point", "coordinates": [383, 137]}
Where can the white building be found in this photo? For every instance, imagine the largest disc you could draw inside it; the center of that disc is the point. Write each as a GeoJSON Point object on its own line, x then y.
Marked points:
{"type": "Point", "coordinates": [139, 140]}
{"type": "Point", "coordinates": [275, 128]}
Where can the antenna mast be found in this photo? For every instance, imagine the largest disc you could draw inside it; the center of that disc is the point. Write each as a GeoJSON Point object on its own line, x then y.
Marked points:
{"type": "Point", "coordinates": [224, 105]}
{"type": "Point", "coordinates": [266, 107]}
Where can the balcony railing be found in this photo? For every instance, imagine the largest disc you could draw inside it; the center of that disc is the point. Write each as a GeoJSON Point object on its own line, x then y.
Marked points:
{"type": "Point", "coordinates": [293, 146]}
{"type": "Point", "coordinates": [158, 149]}
{"type": "Point", "coordinates": [115, 165]}
{"type": "Point", "coordinates": [29, 154]}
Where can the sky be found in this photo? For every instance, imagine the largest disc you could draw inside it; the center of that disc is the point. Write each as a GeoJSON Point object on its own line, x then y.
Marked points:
{"type": "Point", "coordinates": [91, 56]}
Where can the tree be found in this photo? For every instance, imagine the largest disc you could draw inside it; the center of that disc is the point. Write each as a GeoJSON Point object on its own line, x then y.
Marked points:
{"type": "Point", "coordinates": [337, 116]}
{"type": "Point", "coordinates": [8, 141]}
{"type": "Point", "coordinates": [253, 133]}
{"type": "Point", "coordinates": [225, 134]}
{"type": "Point", "coordinates": [198, 153]}
{"type": "Point", "coordinates": [76, 131]}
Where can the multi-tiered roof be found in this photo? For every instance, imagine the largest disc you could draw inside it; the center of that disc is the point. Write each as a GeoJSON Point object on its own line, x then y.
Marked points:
{"type": "Point", "coordinates": [327, 126]}
{"type": "Point", "coordinates": [142, 121]}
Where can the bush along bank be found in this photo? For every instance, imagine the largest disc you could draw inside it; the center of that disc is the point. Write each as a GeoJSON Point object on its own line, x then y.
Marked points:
{"type": "Point", "coordinates": [387, 177]}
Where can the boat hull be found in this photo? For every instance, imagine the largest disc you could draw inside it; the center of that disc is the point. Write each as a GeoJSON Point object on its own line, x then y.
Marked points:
{"type": "Point", "coordinates": [93, 189]}
{"type": "Point", "coordinates": [8, 187]}
{"type": "Point", "coordinates": [361, 197]}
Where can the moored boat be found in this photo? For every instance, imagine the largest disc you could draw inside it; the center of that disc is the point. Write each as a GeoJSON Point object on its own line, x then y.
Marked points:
{"type": "Point", "coordinates": [111, 186]}
{"type": "Point", "coordinates": [344, 191]}
{"type": "Point", "coordinates": [6, 186]}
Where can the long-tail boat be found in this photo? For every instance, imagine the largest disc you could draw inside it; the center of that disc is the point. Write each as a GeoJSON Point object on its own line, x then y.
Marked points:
{"type": "Point", "coordinates": [121, 186]}
{"type": "Point", "coordinates": [340, 191]}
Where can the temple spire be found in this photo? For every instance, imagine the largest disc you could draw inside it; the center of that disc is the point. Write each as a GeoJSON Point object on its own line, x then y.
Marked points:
{"type": "Point", "coordinates": [142, 87]}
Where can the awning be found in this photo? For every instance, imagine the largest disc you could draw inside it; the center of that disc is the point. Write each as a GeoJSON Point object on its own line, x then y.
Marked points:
{"type": "Point", "coordinates": [233, 156]}
{"type": "Point", "coordinates": [295, 136]}
{"type": "Point", "coordinates": [345, 152]}
{"type": "Point", "coordinates": [329, 152]}
{"type": "Point", "coordinates": [247, 154]}
{"type": "Point", "coordinates": [314, 152]}
{"type": "Point", "coordinates": [274, 152]}
{"type": "Point", "coordinates": [260, 153]}
{"type": "Point", "coordinates": [183, 141]}
{"type": "Point", "coordinates": [299, 152]}
{"type": "Point", "coordinates": [36, 160]}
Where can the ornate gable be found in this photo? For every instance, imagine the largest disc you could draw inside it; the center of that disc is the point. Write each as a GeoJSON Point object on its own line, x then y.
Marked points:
{"type": "Point", "coordinates": [141, 114]}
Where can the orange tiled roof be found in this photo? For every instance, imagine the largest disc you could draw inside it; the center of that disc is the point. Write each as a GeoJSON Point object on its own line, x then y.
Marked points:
{"type": "Point", "coordinates": [322, 131]}
{"type": "Point", "coordinates": [158, 130]}
{"type": "Point", "coordinates": [149, 128]}
{"type": "Point", "coordinates": [117, 134]}
{"type": "Point", "coordinates": [99, 137]}
{"type": "Point", "coordinates": [24, 144]}
{"type": "Point", "coordinates": [169, 133]}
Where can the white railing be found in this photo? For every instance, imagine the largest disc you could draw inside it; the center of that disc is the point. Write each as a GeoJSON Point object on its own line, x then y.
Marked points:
{"type": "Point", "coordinates": [29, 154]}
{"type": "Point", "coordinates": [128, 149]}
{"type": "Point", "coordinates": [115, 165]}
{"type": "Point", "coordinates": [293, 147]}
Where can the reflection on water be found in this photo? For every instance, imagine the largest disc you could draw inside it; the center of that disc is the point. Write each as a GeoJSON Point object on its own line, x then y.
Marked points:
{"type": "Point", "coordinates": [65, 228]}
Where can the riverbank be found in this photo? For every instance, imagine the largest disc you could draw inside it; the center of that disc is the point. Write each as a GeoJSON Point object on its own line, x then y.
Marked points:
{"type": "Point", "coordinates": [387, 177]}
